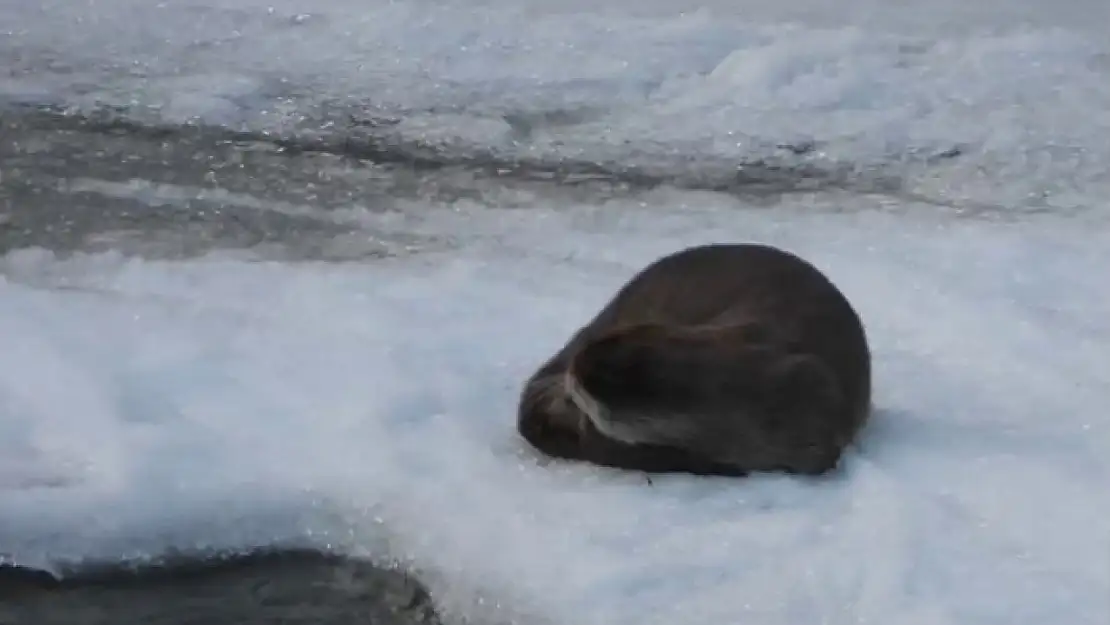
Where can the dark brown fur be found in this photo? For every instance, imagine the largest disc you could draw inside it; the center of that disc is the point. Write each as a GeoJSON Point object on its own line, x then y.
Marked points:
{"type": "Point", "coordinates": [714, 360]}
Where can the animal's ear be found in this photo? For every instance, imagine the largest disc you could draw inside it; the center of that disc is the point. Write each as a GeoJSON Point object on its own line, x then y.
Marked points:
{"type": "Point", "coordinates": [802, 381]}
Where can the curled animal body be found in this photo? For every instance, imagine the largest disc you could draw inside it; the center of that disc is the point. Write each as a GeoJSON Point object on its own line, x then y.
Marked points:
{"type": "Point", "coordinates": [719, 359]}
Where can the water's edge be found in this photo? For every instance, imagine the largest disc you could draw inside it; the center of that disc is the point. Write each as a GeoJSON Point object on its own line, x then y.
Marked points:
{"type": "Point", "coordinates": [68, 185]}
{"type": "Point", "coordinates": [261, 586]}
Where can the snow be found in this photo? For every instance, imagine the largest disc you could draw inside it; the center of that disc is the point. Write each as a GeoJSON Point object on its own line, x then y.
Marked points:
{"type": "Point", "coordinates": [1020, 89]}
{"type": "Point", "coordinates": [228, 402]}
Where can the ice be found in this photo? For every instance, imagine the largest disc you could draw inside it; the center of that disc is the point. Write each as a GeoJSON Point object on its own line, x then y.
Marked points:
{"type": "Point", "coordinates": [999, 103]}
{"type": "Point", "coordinates": [229, 402]}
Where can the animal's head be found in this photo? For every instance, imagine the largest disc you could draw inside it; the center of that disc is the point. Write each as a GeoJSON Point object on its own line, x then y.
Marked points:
{"type": "Point", "coordinates": [548, 419]}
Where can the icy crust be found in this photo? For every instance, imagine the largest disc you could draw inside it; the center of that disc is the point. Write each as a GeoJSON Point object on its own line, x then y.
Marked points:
{"type": "Point", "coordinates": [1015, 116]}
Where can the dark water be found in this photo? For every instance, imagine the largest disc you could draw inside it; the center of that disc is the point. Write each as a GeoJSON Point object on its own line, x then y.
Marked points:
{"type": "Point", "coordinates": [262, 587]}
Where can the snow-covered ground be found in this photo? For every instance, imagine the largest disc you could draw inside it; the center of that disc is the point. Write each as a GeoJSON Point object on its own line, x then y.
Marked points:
{"type": "Point", "coordinates": [370, 407]}
{"type": "Point", "coordinates": [224, 402]}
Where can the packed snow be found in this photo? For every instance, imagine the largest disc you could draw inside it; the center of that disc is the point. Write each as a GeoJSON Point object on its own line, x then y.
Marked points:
{"type": "Point", "coordinates": [369, 408]}
{"type": "Point", "coordinates": [227, 402]}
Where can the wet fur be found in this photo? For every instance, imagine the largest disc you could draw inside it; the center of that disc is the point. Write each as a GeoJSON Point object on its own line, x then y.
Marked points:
{"type": "Point", "coordinates": [718, 359]}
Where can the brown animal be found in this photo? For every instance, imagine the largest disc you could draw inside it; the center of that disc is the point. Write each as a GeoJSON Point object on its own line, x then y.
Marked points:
{"type": "Point", "coordinates": [714, 360]}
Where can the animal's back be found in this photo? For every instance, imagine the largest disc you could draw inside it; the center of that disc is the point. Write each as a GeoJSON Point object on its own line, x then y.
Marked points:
{"type": "Point", "coordinates": [721, 284]}
{"type": "Point", "coordinates": [717, 283]}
